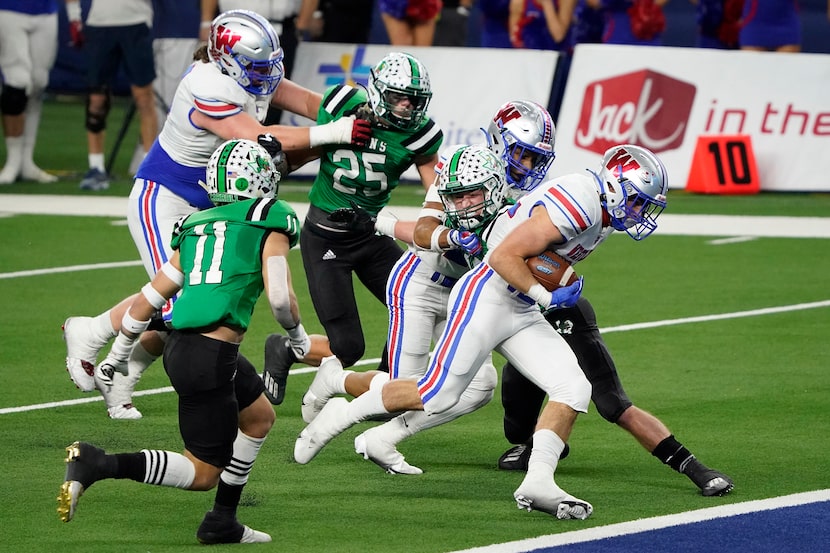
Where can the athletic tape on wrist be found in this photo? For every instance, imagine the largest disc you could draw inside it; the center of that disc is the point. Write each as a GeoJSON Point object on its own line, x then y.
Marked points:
{"type": "Point", "coordinates": [433, 241]}
{"type": "Point", "coordinates": [152, 295]}
{"type": "Point", "coordinates": [540, 295]}
{"type": "Point", "coordinates": [173, 274]}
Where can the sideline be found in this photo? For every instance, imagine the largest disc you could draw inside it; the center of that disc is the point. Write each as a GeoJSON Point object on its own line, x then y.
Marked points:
{"type": "Point", "coordinates": [670, 224]}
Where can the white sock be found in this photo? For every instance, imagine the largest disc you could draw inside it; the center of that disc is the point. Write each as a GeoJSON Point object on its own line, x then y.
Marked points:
{"type": "Point", "coordinates": [30, 127]}
{"type": "Point", "coordinates": [14, 157]}
{"type": "Point", "coordinates": [367, 405]}
{"type": "Point", "coordinates": [138, 362]}
{"type": "Point", "coordinates": [245, 451]}
{"type": "Point", "coordinates": [102, 328]}
{"type": "Point", "coordinates": [544, 457]}
{"type": "Point", "coordinates": [166, 468]}
{"type": "Point", "coordinates": [378, 381]}
{"type": "Point", "coordinates": [96, 161]}
{"type": "Point", "coordinates": [340, 383]}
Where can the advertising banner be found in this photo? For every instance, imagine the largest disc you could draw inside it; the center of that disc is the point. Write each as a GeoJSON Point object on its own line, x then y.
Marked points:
{"type": "Point", "coordinates": [665, 98]}
{"type": "Point", "coordinates": [468, 84]}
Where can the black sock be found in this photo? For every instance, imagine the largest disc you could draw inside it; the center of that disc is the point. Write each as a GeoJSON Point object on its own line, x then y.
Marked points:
{"type": "Point", "coordinates": [673, 453]}
{"type": "Point", "coordinates": [130, 465]}
{"type": "Point", "coordinates": [227, 499]}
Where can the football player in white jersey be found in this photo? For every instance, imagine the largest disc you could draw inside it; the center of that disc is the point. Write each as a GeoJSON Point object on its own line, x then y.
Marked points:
{"type": "Point", "coordinates": [495, 306]}
{"type": "Point", "coordinates": [225, 94]}
{"type": "Point", "coordinates": [521, 134]}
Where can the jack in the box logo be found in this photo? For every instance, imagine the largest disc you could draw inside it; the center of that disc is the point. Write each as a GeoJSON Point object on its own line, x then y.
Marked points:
{"type": "Point", "coordinates": [644, 108]}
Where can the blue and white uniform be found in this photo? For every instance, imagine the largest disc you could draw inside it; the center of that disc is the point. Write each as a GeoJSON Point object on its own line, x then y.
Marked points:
{"type": "Point", "coordinates": [167, 185]}
{"type": "Point", "coordinates": [487, 314]}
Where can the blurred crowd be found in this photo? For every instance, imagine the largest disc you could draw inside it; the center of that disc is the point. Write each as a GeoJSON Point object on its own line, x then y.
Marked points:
{"type": "Point", "coordinates": [152, 41]}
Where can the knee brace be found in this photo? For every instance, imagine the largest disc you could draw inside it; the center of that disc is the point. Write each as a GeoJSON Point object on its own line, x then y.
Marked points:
{"type": "Point", "coordinates": [13, 100]}
{"type": "Point", "coordinates": [96, 121]}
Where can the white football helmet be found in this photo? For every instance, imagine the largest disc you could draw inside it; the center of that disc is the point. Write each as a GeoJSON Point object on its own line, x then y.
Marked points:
{"type": "Point", "coordinates": [244, 45]}
{"type": "Point", "coordinates": [240, 169]}
{"type": "Point", "coordinates": [633, 186]}
{"type": "Point", "coordinates": [519, 128]}
{"type": "Point", "coordinates": [395, 77]}
{"type": "Point", "coordinates": [466, 169]}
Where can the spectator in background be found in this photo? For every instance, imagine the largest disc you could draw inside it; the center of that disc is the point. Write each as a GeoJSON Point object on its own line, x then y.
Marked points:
{"type": "Point", "coordinates": [771, 26]}
{"type": "Point", "coordinates": [114, 32]}
{"type": "Point", "coordinates": [28, 46]}
{"type": "Point", "coordinates": [588, 23]}
{"type": "Point", "coordinates": [639, 22]}
{"type": "Point", "coordinates": [176, 38]}
{"type": "Point", "coordinates": [453, 24]}
{"type": "Point", "coordinates": [281, 14]}
{"type": "Point", "coordinates": [410, 22]}
{"type": "Point", "coordinates": [494, 16]}
{"type": "Point", "coordinates": [345, 21]}
{"type": "Point", "coordinates": [541, 24]}
{"type": "Point", "coordinates": [718, 22]}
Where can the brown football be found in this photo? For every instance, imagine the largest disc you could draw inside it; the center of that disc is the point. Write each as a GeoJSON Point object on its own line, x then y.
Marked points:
{"type": "Point", "coordinates": [551, 270]}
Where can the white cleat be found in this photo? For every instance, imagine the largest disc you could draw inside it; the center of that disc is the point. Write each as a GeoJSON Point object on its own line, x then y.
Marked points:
{"type": "Point", "coordinates": [35, 173]}
{"type": "Point", "coordinates": [249, 535]}
{"type": "Point", "coordinates": [126, 411]}
{"type": "Point", "coordinates": [81, 352]}
{"type": "Point", "coordinates": [383, 454]}
{"type": "Point", "coordinates": [323, 388]}
{"type": "Point", "coordinates": [547, 497]}
{"type": "Point", "coordinates": [329, 423]}
{"type": "Point", "coordinates": [118, 397]}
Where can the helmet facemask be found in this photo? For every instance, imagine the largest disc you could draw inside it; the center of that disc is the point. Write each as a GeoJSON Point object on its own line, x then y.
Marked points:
{"type": "Point", "coordinates": [523, 129]}
{"type": "Point", "coordinates": [634, 183]}
{"type": "Point", "coordinates": [471, 169]}
{"type": "Point", "coordinates": [239, 170]}
{"type": "Point", "coordinates": [399, 91]}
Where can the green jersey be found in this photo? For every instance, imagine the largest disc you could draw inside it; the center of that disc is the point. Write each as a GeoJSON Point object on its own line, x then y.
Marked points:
{"type": "Point", "coordinates": [366, 175]}
{"type": "Point", "coordinates": [220, 250]}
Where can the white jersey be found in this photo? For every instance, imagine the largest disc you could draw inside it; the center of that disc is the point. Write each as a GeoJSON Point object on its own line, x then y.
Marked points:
{"type": "Point", "coordinates": [118, 13]}
{"type": "Point", "coordinates": [204, 88]}
{"type": "Point", "coordinates": [572, 203]}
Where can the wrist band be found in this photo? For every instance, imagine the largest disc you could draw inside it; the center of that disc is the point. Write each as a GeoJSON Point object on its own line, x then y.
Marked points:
{"type": "Point", "coordinates": [152, 295]}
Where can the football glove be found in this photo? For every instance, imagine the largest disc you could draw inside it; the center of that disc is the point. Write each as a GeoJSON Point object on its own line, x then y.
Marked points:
{"type": "Point", "coordinates": [465, 240]}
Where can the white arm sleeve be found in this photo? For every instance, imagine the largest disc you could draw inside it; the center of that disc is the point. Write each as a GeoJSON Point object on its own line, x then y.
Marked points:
{"type": "Point", "coordinates": [278, 291]}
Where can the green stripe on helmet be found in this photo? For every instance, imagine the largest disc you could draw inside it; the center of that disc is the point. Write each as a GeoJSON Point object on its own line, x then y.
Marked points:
{"type": "Point", "coordinates": [222, 166]}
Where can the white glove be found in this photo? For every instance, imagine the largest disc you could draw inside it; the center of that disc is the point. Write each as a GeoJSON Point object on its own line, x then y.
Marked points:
{"type": "Point", "coordinates": [106, 370]}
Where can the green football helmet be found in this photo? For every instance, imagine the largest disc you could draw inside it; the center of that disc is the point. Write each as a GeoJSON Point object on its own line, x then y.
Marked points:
{"type": "Point", "coordinates": [399, 79]}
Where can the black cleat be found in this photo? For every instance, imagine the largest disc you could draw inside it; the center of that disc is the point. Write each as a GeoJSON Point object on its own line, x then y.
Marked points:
{"type": "Point", "coordinates": [216, 528]}
{"type": "Point", "coordinates": [713, 483]}
{"type": "Point", "coordinates": [278, 359]}
{"type": "Point", "coordinates": [518, 456]}
{"type": "Point", "coordinates": [85, 465]}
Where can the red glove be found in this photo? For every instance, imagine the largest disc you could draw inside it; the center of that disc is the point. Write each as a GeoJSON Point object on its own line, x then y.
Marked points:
{"type": "Point", "coordinates": [76, 34]}
{"type": "Point", "coordinates": [361, 132]}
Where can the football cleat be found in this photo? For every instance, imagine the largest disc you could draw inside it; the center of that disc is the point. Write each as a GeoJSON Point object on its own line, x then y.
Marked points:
{"type": "Point", "coordinates": [85, 465]}
{"type": "Point", "coordinates": [118, 397]}
{"type": "Point", "coordinates": [323, 388]}
{"type": "Point", "coordinates": [216, 529]}
{"type": "Point", "coordinates": [541, 494]}
{"type": "Point", "coordinates": [382, 453]}
{"type": "Point", "coordinates": [714, 483]}
{"type": "Point", "coordinates": [95, 180]}
{"type": "Point", "coordinates": [330, 422]}
{"type": "Point", "coordinates": [81, 352]}
{"type": "Point", "coordinates": [32, 172]}
{"type": "Point", "coordinates": [278, 359]}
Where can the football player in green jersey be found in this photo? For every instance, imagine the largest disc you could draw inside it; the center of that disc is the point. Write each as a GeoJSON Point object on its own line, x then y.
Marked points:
{"type": "Point", "coordinates": [224, 258]}
{"type": "Point", "coordinates": [353, 184]}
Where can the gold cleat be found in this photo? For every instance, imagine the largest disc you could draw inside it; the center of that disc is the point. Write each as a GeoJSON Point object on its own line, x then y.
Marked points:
{"type": "Point", "coordinates": [71, 490]}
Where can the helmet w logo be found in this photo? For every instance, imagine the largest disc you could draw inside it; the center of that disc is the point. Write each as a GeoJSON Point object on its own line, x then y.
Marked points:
{"type": "Point", "coordinates": [226, 39]}
{"type": "Point", "coordinates": [622, 158]}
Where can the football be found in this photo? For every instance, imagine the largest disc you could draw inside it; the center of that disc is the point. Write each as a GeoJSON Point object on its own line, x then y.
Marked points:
{"type": "Point", "coordinates": [551, 270]}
